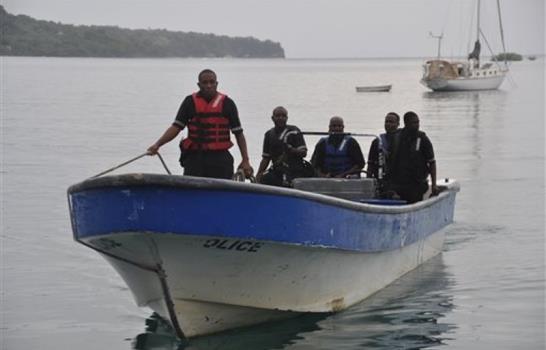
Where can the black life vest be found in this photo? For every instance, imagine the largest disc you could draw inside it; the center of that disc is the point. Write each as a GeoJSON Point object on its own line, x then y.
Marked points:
{"type": "Point", "coordinates": [412, 165]}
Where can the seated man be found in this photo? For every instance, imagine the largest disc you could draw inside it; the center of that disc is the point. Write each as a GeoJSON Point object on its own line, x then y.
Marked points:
{"type": "Point", "coordinates": [338, 155]}
{"type": "Point", "coordinates": [285, 147]}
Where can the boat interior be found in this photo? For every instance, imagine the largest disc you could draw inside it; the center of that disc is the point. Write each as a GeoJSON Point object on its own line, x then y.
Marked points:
{"type": "Point", "coordinates": [364, 190]}
{"type": "Point", "coordinates": [351, 189]}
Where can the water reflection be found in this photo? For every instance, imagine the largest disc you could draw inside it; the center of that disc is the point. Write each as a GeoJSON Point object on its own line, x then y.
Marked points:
{"type": "Point", "coordinates": [408, 314]}
{"type": "Point", "coordinates": [467, 126]}
{"type": "Point", "coordinates": [273, 335]}
{"type": "Point", "coordinates": [463, 95]}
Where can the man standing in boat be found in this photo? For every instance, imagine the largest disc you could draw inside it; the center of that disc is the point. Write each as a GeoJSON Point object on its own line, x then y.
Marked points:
{"type": "Point", "coordinates": [414, 162]}
{"type": "Point", "coordinates": [338, 155]}
{"type": "Point", "coordinates": [209, 116]}
{"type": "Point", "coordinates": [285, 147]}
{"type": "Point", "coordinates": [382, 150]}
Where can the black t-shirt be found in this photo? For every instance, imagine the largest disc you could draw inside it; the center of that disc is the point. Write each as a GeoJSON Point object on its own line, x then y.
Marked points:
{"type": "Point", "coordinates": [187, 111]}
{"type": "Point", "coordinates": [275, 142]}
{"type": "Point", "coordinates": [353, 151]}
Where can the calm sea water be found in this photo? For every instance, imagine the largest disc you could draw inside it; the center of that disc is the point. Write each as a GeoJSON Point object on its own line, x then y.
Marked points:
{"type": "Point", "coordinates": [63, 120]}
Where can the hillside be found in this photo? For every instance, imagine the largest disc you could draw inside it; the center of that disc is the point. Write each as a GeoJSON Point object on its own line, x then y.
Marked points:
{"type": "Point", "coordinates": [25, 36]}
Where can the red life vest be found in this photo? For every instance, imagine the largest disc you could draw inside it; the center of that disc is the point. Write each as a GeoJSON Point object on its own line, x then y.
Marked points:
{"type": "Point", "coordinates": [208, 129]}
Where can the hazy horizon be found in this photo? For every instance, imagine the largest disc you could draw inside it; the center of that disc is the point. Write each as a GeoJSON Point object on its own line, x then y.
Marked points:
{"type": "Point", "coordinates": [315, 29]}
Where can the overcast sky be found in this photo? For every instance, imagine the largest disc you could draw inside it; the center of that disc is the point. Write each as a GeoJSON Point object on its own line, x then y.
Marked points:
{"type": "Point", "coordinates": [317, 28]}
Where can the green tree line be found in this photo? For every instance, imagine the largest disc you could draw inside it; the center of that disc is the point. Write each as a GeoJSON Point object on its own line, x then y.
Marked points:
{"type": "Point", "coordinates": [25, 36]}
{"type": "Point", "coordinates": [509, 56]}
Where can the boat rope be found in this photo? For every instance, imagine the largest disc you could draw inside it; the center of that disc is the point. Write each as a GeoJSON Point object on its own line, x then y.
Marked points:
{"type": "Point", "coordinates": [125, 260]}
{"type": "Point", "coordinates": [490, 50]}
{"type": "Point", "coordinates": [511, 79]}
{"type": "Point", "coordinates": [470, 34]}
{"type": "Point", "coordinates": [164, 165]}
{"type": "Point", "coordinates": [162, 276]}
{"type": "Point", "coordinates": [130, 161]}
{"type": "Point", "coordinates": [502, 33]}
{"type": "Point", "coordinates": [169, 302]}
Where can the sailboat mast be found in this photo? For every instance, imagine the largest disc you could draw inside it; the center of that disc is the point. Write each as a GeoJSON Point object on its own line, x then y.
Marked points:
{"type": "Point", "coordinates": [502, 33]}
{"type": "Point", "coordinates": [478, 31]}
{"type": "Point", "coordinates": [478, 22]}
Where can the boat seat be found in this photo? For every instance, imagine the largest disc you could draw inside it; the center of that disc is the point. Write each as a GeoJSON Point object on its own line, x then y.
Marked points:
{"type": "Point", "coordinates": [351, 189]}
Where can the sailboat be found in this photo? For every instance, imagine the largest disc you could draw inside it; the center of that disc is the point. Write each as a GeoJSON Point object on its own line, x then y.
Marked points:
{"type": "Point", "coordinates": [443, 75]}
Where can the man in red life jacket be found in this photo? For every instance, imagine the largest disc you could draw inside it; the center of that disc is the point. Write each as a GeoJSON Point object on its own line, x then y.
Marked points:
{"type": "Point", "coordinates": [209, 116]}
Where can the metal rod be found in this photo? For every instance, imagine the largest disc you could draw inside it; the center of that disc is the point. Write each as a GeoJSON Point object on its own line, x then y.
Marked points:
{"type": "Point", "coordinates": [338, 133]}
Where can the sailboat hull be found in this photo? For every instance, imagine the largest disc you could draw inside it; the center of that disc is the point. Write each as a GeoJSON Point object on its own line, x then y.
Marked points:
{"type": "Point", "coordinates": [464, 84]}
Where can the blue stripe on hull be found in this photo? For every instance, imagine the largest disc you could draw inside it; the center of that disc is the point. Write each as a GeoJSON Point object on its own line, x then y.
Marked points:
{"type": "Point", "coordinates": [248, 215]}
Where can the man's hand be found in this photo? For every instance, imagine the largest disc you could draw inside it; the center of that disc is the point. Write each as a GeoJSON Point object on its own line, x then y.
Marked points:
{"type": "Point", "coordinates": [152, 150]}
{"type": "Point", "coordinates": [247, 168]}
{"type": "Point", "coordinates": [434, 191]}
{"type": "Point", "coordinates": [289, 149]}
{"type": "Point", "coordinates": [259, 177]}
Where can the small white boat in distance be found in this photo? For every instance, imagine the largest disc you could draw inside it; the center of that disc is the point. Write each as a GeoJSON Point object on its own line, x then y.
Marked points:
{"type": "Point", "coordinates": [376, 88]}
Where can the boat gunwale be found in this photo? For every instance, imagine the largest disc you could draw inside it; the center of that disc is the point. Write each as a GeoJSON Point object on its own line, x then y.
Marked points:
{"type": "Point", "coordinates": [200, 183]}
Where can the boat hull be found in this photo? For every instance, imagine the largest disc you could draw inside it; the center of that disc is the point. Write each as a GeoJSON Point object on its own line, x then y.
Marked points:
{"type": "Point", "coordinates": [197, 253]}
{"type": "Point", "coordinates": [379, 88]}
{"type": "Point", "coordinates": [464, 84]}
{"type": "Point", "coordinates": [230, 288]}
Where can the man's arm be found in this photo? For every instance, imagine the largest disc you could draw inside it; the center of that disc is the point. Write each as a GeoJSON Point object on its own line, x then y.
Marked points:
{"type": "Point", "coordinates": [433, 187]}
{"type": "Point", "coordinates": [373, 159]}
{"type": "Point", "coordinates": [169, 134]}
{"type": "Point", "coordinates": [429, 154]}
{"type": "Point", "coordinates": [317, 159]}
{"type": "Point", "coordinates": [295, 144]}
{"type": "Point", "coordinates": [261, 169]}
{"type": "Point", "coordinates": [245, 162]}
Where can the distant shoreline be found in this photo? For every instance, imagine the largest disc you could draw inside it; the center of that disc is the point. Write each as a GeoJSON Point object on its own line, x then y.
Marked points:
{"type": "Point", "coordinates": [25, 36]}
{"type": "Point", "coordinates": [536, 57]}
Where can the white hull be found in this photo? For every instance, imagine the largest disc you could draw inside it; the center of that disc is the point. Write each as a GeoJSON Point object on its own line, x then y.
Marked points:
{"type": "Point", "coordinates": [215, 289]}
{"type": "Point", "coordinates": [464, 84]}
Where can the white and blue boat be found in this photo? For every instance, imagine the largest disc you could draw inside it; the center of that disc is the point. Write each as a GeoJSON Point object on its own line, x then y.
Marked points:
{"type": "Point", "coordinates": [210, 255]}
